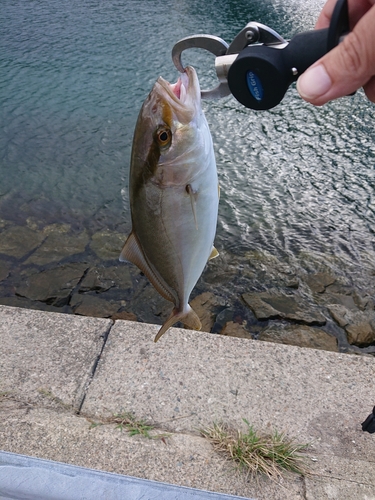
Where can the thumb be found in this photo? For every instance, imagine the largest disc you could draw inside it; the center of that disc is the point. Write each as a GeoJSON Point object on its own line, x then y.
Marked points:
{"type": "Point", "coordinates": [344, 69]}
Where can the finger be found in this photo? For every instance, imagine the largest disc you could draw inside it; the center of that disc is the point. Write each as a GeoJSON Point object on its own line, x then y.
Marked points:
{"type": "Point", "coordinates": [325, 16]}
{"type": "Point", "coordinates": [357, 8]}
{"type": "Point", "coordinates": [344, 69]}
{"type": "Point", "coordinates": [369, 89]}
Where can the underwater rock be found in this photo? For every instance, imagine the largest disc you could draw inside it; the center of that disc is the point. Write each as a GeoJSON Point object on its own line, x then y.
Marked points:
{"type": "Point", "coordinates": [15, 301]}
{"type": "Point", "coordinates": [240, 315]}
{"type": "Point", "coordinates": [19, 241]}
{"type": "Point", "coordinates": [147, 304]}
{"type": "Point", "coordinates": [95, 281]}
{"type": "Point", "coordinates": [53, 286]}
{"type": "Point", "coordinates": [318, 282]}
{"type": "Point", "coordinates": [58, 245]}
{"type": "Point", "coordinates": [107, 244]}
{"type": "Point", "coordinates": [346, 301]}
{"type": "Point", "coordinates": [361, 334]}
{"type": "Point", "coordinates": [299, 335]}
{"type": "Point", "coordinates": [123, 315]}
{"type": "Point", "coordinates": [233, 329]}
{"type": "Point", "coordinates": [101, 279]}
{"type": "Point", "coordinates": [4, 223]}
{"type": "Point", "coordinates": [4, 270]}
{"type": "Point", "coordinates": [207, 305]}
{"type": "Point", "coordinates": [89, 305]}
{"type": "Point", "coordinates": [359, 325]}
{"type": "Point", "coordinates": [294, 308]}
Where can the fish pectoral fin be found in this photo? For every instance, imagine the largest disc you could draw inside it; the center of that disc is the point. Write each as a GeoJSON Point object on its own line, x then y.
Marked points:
{"type": "Point", "coordinates": [192, 195]}
{"type": "Point", "coordinates": [188, 317]}
{"type": "Point", "coordinates": [132, 252]}
{"type": "Point", "coordinates": [214, 253]}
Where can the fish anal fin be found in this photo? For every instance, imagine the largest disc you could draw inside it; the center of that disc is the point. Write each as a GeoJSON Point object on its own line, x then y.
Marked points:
{"type": "Point", "coordinates": [132, 252]}
{"type": "Point", "coordinates": [214, 253]}
{"type": "Point", "coordinates": [188, 317]}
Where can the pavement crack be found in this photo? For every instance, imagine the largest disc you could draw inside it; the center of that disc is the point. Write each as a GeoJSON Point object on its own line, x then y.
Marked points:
{"type": "Point", "coordinates": [304, 488]}
{"type": "Point", "coordinates": [93, 369]}
{"type": "Point", "coordinates": [330, 476]}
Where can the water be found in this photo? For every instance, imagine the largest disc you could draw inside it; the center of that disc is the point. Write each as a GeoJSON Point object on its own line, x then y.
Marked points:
{"type": "Point", "coordinates": [296, 181]}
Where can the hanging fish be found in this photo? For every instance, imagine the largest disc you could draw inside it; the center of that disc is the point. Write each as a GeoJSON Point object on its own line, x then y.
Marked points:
{"type": "Point", "coordinates": [174, 194]}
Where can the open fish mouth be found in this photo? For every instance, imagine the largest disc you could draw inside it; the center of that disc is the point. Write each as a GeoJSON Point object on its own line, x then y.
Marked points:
{"type": "Point", "coordinates": [186, 90]}
{"type": "Point", "coordinates": [180, 88]}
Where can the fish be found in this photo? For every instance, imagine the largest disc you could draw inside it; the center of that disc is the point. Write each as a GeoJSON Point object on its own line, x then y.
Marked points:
{"type": "Point", "coordinates": [173, 193]}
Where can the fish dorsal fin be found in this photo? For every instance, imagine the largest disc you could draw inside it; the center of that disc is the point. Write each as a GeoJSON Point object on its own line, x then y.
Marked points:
{"type": "Point", "coordinates": [214, 253]}
{"type": "Point", "coordinates": [188, 318]}
{"type": "Point", "coordinates": [192, 195]}
{"type": "Point", "coordinates": [133, 253]}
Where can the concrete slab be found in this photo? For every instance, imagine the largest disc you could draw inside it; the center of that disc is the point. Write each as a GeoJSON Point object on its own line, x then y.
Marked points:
{"type": "Point", "coordinates": [186, 381]}
{"type": "Point", "coordinates": [46, 354]}
{"type": "Point", "coordinates": [190, 379]}
{"type": "Point", "coordinates": [181, 459]}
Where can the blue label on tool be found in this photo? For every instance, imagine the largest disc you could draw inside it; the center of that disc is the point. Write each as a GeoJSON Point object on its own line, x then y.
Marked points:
{"type": "Point", "coordinates": [255, 85]}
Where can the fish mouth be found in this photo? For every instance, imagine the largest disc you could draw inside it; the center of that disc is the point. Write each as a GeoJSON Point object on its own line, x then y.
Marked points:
{"type": "Point", "coordinates": [186, 90]}
{"type": "Point", "coordinates": [180, 88]}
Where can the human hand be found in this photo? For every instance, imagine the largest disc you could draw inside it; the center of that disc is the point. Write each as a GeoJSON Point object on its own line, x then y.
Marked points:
{"type": "Point", "coordinates": [350, 65]}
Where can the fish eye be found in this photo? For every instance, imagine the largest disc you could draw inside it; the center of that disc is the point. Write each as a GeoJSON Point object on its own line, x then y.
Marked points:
{"type": "Point", "coordinates": [164, 136]}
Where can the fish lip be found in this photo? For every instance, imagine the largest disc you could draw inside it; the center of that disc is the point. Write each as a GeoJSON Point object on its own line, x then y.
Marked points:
{"type": "Point", "coordinates": [189, 80]}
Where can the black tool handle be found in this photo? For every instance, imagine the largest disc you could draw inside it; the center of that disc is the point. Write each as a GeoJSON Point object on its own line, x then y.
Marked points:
{"type": "Point", "coordinates": [261, 74]}
{"type": "Point", "coordinates": [303, 50]}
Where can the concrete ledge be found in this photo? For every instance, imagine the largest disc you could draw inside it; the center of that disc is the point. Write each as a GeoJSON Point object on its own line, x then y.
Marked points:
{"type": "Point", "coordinates": [59, 372]}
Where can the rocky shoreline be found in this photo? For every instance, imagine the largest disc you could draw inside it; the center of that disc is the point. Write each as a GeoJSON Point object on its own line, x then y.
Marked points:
{"type": "Point", "coordinates": [59, 268]}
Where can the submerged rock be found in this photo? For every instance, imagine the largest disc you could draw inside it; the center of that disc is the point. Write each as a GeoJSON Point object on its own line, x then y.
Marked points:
{"type": "Point", "coordinates": [207, 305]}
{"type": "Point", "coordinates": [16, 301]}
{"type": "Point", "coordinates": [96, 281]}
{"type": "Point", "coordinates": [89, 305]}
{"type": "Point", "coordinates": [362, 333]}
{"type": "Point", "coordinates": [318, 282]}
{"type": "Point", "coordinates": [53, 286]}
{"type": "Point", "coordinates": [4, 270]}
{"type": "Point", "coordinates": [269, 306]}
{"type": "Point", "coordinates": [123, 315]}
{"type": "Point", "coordinates": [359, 325]}
{"type": "Point", "coordinates": [233, 329]}
{"type": "Point", "coordinates": [299, 335]}
{"type": "Point", "coordinates": [19, 241]}
{"type": "Point", "coordinates": [58, 245]}
{"type": "Point", "coordinates": [101, 279]}
{"type": "Point", "coordinates": [107, 244]}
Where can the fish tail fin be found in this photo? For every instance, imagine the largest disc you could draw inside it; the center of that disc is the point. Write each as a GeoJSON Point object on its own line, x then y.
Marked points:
{"type": "Point", "coordinates": [188, 317]}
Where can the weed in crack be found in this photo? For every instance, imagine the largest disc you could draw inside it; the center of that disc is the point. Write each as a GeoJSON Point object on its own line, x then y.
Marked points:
{"type": "Point", "coordinates": [269, 454]}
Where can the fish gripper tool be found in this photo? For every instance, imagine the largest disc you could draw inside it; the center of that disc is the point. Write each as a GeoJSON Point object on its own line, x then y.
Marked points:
{"type": "Point", "coordinates": [259, 65]}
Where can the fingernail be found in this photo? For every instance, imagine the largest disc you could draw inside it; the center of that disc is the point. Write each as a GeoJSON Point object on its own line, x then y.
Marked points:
{"type": "Point", "coordinates": [314, 82]}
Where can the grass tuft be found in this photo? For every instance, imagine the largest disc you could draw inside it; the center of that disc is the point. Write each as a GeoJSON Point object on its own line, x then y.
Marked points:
{"type": "Point", "coordinates": [269, 454]}
{"type": "Point", "coordinates": [129, 422]}
{"type": "Point", "coordinates": [132, 425]}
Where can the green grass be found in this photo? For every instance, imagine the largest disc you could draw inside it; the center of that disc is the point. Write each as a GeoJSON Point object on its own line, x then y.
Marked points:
{"type": "Point", "coordinates": [130, 423]}
{"type": "Point", "coordinates": [257, 453]}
